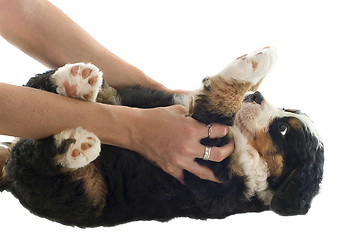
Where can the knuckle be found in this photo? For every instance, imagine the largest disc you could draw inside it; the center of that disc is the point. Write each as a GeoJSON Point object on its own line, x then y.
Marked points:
{"type": "Point", "coordinates": [179, 109]}
{"type": "Point", "coordinates": [187, 130]}
{"type": "Point", "coordinates": [231, 147]}
{"type": "Point", "coordinates": [221, 153]}
{"type": "Point", "coordinates": [225, 130]}
{"type": "Point", "coordinates": [169, 169]}
{"type": "Point", "coordinates": [176, 161]}
{"type": "Point", "coordinates": [190, 131]}
{"type": "Point", "coordinates": [182, 150]}
{"type": "Point", "coordinates": [220, 130]}
{"type": "Point", "coordinates": [203, 175]}
{"type": "Point", "coordinates": [218, 154]}
{"type": "Point", "coordinates": [173, 160]}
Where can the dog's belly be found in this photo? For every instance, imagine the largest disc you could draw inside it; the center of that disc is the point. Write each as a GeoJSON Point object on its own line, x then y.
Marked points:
{"type": "Point", "coordinates": [139, 190]}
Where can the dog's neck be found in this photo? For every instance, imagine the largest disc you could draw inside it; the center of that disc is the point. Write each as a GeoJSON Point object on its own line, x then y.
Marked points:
{"type": "Point", "coordinates": [246, 162]}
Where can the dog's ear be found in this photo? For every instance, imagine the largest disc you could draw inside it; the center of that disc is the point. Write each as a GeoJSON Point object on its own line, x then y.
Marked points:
{"type": "Point", "coordinates": [295, 194]}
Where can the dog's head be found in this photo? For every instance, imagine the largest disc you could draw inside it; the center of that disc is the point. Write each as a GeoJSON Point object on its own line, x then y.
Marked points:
{"type": "Point", "coordinates": [288, 144]}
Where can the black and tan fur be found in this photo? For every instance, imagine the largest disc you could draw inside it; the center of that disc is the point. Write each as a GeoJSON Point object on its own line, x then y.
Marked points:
{"type": "Point", "coordinates": [122, 186]}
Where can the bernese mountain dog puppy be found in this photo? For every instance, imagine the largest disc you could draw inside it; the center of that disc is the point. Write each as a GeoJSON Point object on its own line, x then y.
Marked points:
{"type": "Point", "coordinates": [72, 179]}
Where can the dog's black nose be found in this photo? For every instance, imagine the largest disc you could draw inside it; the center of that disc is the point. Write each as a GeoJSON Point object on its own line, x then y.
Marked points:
{"type": "Point", "coordinates": [256, 97]}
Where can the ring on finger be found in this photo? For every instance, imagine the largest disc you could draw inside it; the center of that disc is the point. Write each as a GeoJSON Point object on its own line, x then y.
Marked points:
{"type": "Point", "coordinates": [207, 152]}
{"type": "Point", "coordinates": [209, 129]}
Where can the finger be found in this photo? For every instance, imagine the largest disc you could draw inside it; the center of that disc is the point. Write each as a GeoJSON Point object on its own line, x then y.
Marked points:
{"type": "Point", "coordinates": [175, 172]}
{"type": "Point", "coordinates": [216, 130]}
{"type": "Point", "coordinates": [203, 172]}
{"type": "Point", "coordinates": [180, 92]}
{"type": "Point", "coordinates": [179, 109]}
{"type": "Point", "coordinates": [217, 154]}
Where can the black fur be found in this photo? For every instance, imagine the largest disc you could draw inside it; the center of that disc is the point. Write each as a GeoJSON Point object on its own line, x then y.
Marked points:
{"type": "Point", "coordinates": [303, 171]}
{"type": "Point", "coordinates": [42, 82]}
{"type": "Point", "coordinates": [136, 189]}
{"type": "Point", "coordinates": [42, 188]}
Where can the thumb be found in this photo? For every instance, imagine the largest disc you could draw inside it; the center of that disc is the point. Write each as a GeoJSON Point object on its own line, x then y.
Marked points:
{"type": "Point", "coordinates": [179, 109]}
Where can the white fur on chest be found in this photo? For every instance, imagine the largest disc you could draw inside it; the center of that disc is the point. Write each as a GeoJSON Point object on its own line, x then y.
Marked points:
{"type": "Point", "coordinates": [247, 162]}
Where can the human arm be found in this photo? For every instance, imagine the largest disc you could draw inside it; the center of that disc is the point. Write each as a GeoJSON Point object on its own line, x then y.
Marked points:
{"type": "Point", "coordinates": [163, 135]}
{"type": "Point", "coordinates": [30, 113]}
{"type": "Point", "coordinates": [47, 34]}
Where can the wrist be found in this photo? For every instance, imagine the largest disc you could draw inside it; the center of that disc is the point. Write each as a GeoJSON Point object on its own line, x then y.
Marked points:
{"type": "Point", "coordinates": [117, 126]}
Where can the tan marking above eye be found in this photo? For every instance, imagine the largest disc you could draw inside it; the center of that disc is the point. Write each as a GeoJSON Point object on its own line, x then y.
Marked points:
{"type": "Point", "coordinates": [295, 123]}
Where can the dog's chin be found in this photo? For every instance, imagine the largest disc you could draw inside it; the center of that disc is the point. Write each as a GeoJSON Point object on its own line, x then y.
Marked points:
{"type": "Point", "coordinates": [247, 120]}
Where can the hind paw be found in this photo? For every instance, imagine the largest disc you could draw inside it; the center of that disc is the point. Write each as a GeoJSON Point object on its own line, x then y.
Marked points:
{"type": "Point", "coordinates": [80, 80]}
{"type": "Point", "coordinates": [78, 147]}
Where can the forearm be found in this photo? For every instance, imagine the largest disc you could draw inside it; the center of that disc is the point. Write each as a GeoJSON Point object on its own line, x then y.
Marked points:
{"type": "Point", "coordinates": [45, 33]}
{"type": "Point", "coordinates": [31, 113]}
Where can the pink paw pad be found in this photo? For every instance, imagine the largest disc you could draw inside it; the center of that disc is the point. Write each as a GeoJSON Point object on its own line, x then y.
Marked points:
{"type": "Point", "coordinates": [92, 81]}
{"type": "Point", "coordinates": [86, 72]}
{"type": "Point", "coordinates": [78, 80]}
{"type": "Point", "coordinates": [70, 89]}
{"type": "Point", "coordinates": [75, 153]}
{"type": "Point", "coordinates": [83, 147]}
{"type": "Point", "coordinates": [74, 70]}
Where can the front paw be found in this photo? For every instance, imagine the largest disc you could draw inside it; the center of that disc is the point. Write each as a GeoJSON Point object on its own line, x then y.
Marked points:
{"type": "Point", "coordinates": [80, 80]}
{"type": "Point", "coordinates": [77, 148]}
{"type": "Point", "coordinates": [251, 67]}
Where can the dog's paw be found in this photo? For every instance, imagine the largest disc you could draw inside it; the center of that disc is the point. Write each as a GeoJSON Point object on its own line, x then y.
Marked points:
{"type": "Point", "coordinates": [77, 148]}
{"type": "Point", "coordinates": [251, 67]}
{"type": "Point", "coordinates": [80, 80]}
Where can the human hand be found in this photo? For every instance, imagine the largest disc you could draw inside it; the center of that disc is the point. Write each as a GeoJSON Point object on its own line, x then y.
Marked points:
{"type": "Point", "coordinates": [171, 140]}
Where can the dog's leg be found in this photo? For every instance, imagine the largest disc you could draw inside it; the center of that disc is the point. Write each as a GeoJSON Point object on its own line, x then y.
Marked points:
{"type": "Point", "coordinates": [77, 148]}
{"type": "Point", "coordinates": [80, 80]}
{"type": "Point", "coordinates": [222, 94]}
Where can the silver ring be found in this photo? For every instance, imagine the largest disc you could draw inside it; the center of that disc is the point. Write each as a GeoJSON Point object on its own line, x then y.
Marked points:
{"type": "Point", "coordinates": [207, 153]}
{"type": "Point", "coordinates": [209, 129]}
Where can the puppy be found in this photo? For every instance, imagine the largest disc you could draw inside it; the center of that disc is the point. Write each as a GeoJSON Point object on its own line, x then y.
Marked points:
{"type": "Point", "coordinates": [72, 179]}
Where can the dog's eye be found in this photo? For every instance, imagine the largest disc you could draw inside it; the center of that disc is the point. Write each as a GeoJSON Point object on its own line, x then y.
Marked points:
{"type": "Point", "coordinates": [283, 129]}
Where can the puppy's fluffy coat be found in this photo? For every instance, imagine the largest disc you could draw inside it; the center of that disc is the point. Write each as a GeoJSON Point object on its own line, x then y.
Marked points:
{"type": "Point", "coordinates": [72, 179]}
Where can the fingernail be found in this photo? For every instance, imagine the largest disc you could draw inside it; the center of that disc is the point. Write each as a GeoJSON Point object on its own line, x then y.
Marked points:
{"type": "Point", "coordinates": [218, 181]}
{"type": "Point", "coordinates": [227, 129]}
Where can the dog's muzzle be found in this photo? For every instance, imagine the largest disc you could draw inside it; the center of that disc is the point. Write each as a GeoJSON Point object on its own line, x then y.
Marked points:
{"type": "Point", "coordinates": [256, 97]}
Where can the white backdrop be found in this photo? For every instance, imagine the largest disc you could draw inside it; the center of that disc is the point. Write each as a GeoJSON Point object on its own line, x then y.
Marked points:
{"type": "Point", "coordinates": [180, 42]}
